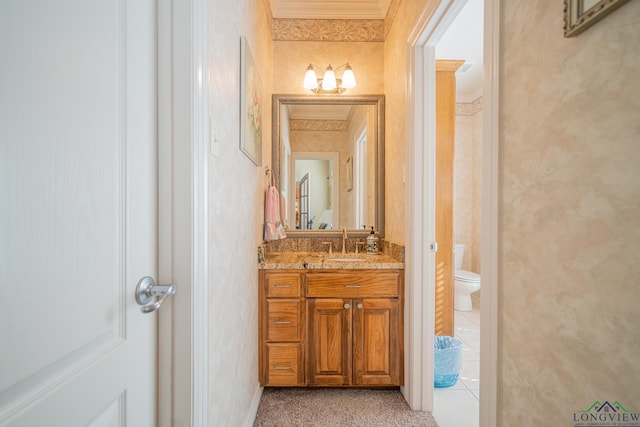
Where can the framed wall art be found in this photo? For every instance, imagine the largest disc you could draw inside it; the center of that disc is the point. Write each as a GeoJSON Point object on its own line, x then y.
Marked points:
{"type": "Point", "coordinates": [251, 105]}
{"type": "Point", "coordinates": [582, 14]}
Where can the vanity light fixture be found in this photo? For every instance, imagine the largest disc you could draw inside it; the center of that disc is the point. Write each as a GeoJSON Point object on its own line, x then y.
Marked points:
{"type": "Point", "coordinates": [329, 83]}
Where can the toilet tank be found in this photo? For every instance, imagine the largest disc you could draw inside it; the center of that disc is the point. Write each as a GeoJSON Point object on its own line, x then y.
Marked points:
{"type": "Point", "coordinates": [458, 254]}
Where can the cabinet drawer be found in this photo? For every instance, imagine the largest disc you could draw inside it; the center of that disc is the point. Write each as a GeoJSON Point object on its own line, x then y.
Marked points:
{"type": "Point", "coordinates": [284, 320]}
{"type": "Point", "coordinates": [354, 284]}
{"type": "Point", "coordinates": [284, 365]}
{"type": "Point", "coordinates": [283, 285]}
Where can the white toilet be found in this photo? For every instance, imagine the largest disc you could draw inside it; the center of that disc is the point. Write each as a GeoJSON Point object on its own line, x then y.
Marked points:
{"type": "Point", "coordinates": [465, 282]}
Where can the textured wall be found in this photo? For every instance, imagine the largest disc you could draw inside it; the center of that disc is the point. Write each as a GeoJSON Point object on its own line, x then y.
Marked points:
{"type": "Point", "coordinates": [235, 207]}
{"type": "Point", "coordinates": [397, 27]}
{"type": "Point", "coordinates": [467, 181]}
{"type": "Point", "coordinates": [569, 214]}
{"type": "Point", "coordinates": [291, 59]}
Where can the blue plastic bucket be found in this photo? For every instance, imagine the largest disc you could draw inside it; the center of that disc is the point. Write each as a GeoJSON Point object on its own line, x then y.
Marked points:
{"type": "Point", "coordinates": [448, 361]}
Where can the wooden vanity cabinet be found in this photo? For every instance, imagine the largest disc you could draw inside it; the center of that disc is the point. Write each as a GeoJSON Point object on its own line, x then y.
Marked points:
{"type": "Point", "coordinates": [353, 342]}
{"type": "Point", "coordinates": [354, 333]}
{"type": "Point", "coordinates": [281, 331]}
{"type": "Point", "coordinates": [348, 333]}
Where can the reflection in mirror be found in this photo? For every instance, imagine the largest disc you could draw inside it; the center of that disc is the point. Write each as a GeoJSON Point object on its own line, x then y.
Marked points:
{"type": "Point", "coordinates": [328, 161]}
{"type": "Point", "coordinates": [316, 197]}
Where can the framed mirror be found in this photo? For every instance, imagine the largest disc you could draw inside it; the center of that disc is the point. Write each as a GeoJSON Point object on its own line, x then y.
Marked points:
{"type": "Point", "coordinates": [328, 163]}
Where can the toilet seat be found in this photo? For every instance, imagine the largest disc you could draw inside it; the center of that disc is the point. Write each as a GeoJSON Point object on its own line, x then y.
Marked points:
{"type": "Point", "coordinates": [466, 276]}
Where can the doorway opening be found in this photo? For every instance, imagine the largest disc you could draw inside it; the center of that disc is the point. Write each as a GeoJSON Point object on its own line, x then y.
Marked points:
{"type": "Point", "coordinates": [361, 196]}
{"type": "Point", "coordinates": [421, 241]}
{"type": "Point", "coordinates": [458, 54]}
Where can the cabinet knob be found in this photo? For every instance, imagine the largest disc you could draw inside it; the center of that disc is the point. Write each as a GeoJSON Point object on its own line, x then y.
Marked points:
{"type": "Point", "coordinates": [346, 306]}
{"type": "Point", "coordinates": [360, 305]}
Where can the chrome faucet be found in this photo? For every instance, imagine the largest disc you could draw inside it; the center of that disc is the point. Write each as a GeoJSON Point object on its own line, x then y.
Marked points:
{"type": "Point", "coordinates": [344, 240]}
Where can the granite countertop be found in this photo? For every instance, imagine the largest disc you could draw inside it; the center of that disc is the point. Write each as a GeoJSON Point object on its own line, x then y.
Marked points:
{"type": "Point", "coordinates": [322, 260]}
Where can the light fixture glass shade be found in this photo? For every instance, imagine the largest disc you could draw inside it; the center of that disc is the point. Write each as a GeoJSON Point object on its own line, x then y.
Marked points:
{"type": "Point", "coordinates": [310, 78]}
{"type": "Point", "coordinates": [329, 79]}
{"type": "Point", "coordinates": [348, 79]}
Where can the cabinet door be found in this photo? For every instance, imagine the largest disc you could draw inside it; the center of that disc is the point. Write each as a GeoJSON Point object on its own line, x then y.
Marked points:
{"type": "Point", "coordinates": [329, 341]}
{"type": "Point", "coordinates": [377, 342]}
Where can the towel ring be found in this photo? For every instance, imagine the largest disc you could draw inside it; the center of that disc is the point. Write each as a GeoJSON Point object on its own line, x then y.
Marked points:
{"type": "Point", "coordinates": [268, 172]}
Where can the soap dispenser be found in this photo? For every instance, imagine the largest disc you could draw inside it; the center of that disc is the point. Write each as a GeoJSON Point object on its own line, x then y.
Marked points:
{"type": "Point", "coordinates": [372, 243]}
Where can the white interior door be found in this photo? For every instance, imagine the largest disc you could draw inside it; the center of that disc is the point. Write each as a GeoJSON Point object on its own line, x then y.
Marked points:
{"type": "Point", "coordinates": [77, 212]}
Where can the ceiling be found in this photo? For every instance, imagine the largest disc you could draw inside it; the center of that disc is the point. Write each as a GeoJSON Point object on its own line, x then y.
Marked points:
{"type": "Point", "coordinates": [462, 40]}
{"type": "Point", "coordinates": [326, 9]}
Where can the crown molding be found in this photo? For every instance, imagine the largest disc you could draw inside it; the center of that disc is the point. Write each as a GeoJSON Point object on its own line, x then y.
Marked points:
{"type": "Point", "coordinates": [469, 108]}
{"type": "Point", "coordinates": [394, 6]}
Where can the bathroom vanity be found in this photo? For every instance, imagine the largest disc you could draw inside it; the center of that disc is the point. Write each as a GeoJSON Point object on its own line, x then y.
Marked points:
{"type": "Point", "coordinates": [331, 319]}
{"type": "Point", "coordinates": [327, 321]}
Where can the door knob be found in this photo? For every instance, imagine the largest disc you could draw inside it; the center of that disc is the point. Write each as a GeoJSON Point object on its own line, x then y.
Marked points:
{"type": "Point", "coordinates": [346, 306]}
{"type": "Point", "coordinates": [147, 290]}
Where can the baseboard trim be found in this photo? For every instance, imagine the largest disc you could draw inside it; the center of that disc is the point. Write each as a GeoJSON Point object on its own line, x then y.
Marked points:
{"type": "Point", "coordinates": [253, 409]}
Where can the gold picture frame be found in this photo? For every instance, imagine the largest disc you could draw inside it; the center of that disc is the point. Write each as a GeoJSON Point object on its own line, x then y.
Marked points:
{"type": "Point", "coordinates": [582, 14]}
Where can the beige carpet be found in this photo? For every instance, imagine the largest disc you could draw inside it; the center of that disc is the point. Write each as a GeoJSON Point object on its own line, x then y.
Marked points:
{"type": "Point", "coordinates": [337, 407]}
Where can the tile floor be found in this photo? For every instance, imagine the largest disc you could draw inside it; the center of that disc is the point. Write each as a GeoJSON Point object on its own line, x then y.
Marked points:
{"type": "Point", "coordinates": [458, 405]}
